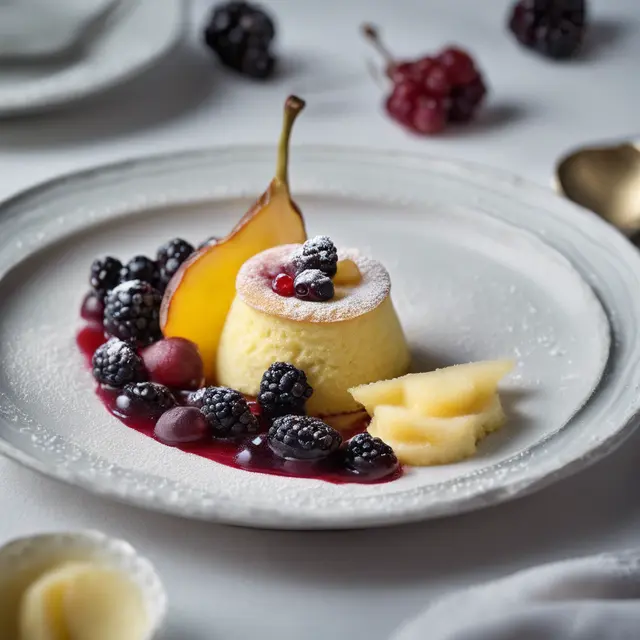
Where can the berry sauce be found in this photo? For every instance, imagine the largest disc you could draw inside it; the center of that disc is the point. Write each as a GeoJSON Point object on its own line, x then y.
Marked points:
{"type": "Point", "coordinates": [251, 453]}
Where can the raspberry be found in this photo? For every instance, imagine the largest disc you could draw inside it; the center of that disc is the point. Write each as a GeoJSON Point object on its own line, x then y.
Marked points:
{"type": "Point", "coordinates": [316, 253]}
{"type": "Point", "coordinates": [283, 285]}
{"type": "Point", "coordinates": [283, 390]}
{"type": "Point", "coordinates": [132, 313]}
{"type": "Point", "coordinates": [227, 412]}
{"type": "Point", "coordinates": [367, 455]}
{"type": "Point", "coordinates": [116, 364]}
{"type": "Point", "coordinates": [169, 259]}
{"type": "Point", "coordinates": [145, 398]}
{"type": "Point", "coordinates": [303, 438]}
{"type": "Point", "coordinates": [105, 275]}
{"type": "Point", "coordinates": [554, 28]}
{"type": "Point", "coordinates": [459, 66]}
{"type": "Point", "coordinates": [140, 268]}
{"type": "Point", "coordinates": [241, 35]}
{"type": "Point", "coordinates": [313, 285]}
{"type": "Point", "coordinates": [430, 115]}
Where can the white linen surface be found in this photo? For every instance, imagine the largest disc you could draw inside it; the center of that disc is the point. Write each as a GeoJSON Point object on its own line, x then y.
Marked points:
{"type": "Point", "coordinates": [595, 598]}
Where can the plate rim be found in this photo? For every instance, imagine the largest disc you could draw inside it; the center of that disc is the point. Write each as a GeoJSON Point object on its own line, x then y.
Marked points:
{"type": "Point", "coordinates": [494, 180]}
{"type": "Point", "coordinates": [25, 106]}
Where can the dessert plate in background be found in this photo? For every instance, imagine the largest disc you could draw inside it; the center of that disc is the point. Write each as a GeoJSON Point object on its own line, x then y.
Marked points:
{"type": "Point", "coordinates": [483, 266]}
{"type": "Point", "coordinates": [135, 36]}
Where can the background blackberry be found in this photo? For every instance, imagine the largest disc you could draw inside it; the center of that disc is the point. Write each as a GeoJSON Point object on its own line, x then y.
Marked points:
{"type": "Point", "coordinates": [140, 268]}
{"type": "Point", "coordinates": [132, 313]}
{"type": "Point", "coordinates": [241, 35]}
{"type": "Point", "coordinates": [105, 275]}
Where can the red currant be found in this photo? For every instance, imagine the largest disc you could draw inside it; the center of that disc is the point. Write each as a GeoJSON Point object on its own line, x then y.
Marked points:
{"type": "Point", "coordinates": [283, 285]}
{"type": "Point", "coordinates": [459, 65]}
{"type": "Point", "coordinates": [430, 115]}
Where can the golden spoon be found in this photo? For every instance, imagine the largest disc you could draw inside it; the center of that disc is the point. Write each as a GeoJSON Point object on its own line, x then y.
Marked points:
{"type": "Point", "coordinates": [605, 180]}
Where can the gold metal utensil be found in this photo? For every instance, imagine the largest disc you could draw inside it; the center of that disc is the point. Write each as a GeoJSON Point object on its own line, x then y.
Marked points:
{"type": "Point", "coordinates": [605, 180]}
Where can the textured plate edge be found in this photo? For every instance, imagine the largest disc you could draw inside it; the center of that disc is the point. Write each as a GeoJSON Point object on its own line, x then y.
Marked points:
{"type": "Point", "coordinates": [500, 182]}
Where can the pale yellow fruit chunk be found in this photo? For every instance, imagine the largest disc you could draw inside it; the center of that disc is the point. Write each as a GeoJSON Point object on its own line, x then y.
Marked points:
{"type": "Point", "coordinates": [422, 440]}
{"type": "Point", "coordinates": [385, 392]}
{"type": "Point", "coordinates": [347, 274]}
{"type": "Point", "coordinates": [455, 391]}
{"type": "Point", "coordinates": [82, 601]}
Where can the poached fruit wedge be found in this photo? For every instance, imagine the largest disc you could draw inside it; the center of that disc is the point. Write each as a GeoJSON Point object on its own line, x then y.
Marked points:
{"type": "Point", "coordinates": [199, 296]}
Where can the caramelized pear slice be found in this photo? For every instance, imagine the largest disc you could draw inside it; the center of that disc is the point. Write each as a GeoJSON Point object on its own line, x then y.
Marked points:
{"type": "Point", "coordinates": [200, 294]}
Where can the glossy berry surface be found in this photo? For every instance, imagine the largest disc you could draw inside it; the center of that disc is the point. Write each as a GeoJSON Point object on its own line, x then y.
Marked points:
{"type": "Point", "coordinates": [553, 28]}
{"type": "Point", "coordinates": [145, 399]}
{"type": "Point", "coordinates": [140, 268]}
{"type": "Point", "coordinates": [92, 308]}
{"type": "Point", "coordinates": [316, 253]}
{"type": "Point", "coordinates": [303, 438]}
{"type": "Point", "coordinates": [132, 313]}
{"type": "Point", "coordinates": [284, 389]}
{"type": "Point", "coordinates": [227, 413]}
{"type": "Point", "coordinates": [105, 275]}
{"type": "Point", "coordinates": [313, 285]}
{"type": "Point", "coordinates": [241, 34]}
{"type": "Point", "coordinates": [115, 363]}
{"type": "Point", "coordinates": [174, 362]}
{"type": "Point", "coordinates": [170, 257]}
{"type": "Point", "coordinates": [370, 456]}
{"type": "Point", "coordinates": [282, 284]}
{"type": "Point", "coordinates": [181, 425]}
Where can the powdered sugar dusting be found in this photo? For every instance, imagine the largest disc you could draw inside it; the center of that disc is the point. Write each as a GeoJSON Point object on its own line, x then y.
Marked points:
{"type": "Point", "coordinates": [254, 288]}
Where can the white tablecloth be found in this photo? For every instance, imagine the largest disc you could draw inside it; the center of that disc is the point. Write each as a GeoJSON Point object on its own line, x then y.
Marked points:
{"type": "Point", "coordinates": [233, 584]}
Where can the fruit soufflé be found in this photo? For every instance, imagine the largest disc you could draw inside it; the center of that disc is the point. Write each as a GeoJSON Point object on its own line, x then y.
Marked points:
{"type": "Point", "coordinates": [273, 352]}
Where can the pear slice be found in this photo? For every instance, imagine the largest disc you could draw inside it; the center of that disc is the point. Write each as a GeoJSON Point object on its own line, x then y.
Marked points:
{"type": "Point", "coordinates": [452, 391]}
{"type": "Point", "coordinates": [423, 441]}
{"type": "Point", "coordinates": [200, 294]}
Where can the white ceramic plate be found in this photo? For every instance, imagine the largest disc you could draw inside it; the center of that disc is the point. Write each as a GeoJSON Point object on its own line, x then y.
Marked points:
{"type": "Point", "coordinates": [138, 36]}
{"type": "Point", "coordinates": [483, 266]}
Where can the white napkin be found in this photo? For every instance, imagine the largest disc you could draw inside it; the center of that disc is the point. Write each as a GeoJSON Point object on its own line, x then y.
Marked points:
{"type": "Point", "coordinates": [595, 598]}
{"type": "Point", "coordinates": [32, 29]}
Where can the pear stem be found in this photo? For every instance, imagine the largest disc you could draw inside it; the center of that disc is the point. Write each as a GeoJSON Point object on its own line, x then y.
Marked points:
{"type": "Point", "coordinates": [371, 33]}
{"type": "Point", "coordinates": [292, 107]}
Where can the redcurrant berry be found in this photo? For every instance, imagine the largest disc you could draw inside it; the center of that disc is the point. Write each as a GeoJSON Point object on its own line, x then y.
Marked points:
{"type": "Point", "coordinates": [283, 285]}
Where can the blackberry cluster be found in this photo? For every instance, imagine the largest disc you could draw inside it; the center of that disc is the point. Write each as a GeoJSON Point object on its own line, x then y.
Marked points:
{"type": "Point", "coordinates": [241, 35]}
{"type": "Point", "coordinates": [313, 285]}
{"type": "Point", "coordinates": [116, 364]}
{"type": "Point", "coordinates": [169, 259]}
{"type": "Point", "coordinates": [227, 412]}
{"type": "Point", "coordinates": [132, 313]}
{"type": "Point", "coordinates": [554, 28]}
{"type": "Point", "coordinates": [317, 253]}
{"type": "Point", "coordinates": [367, 455]}
{"type": "Point", "coordinates": [303, 438]}
{"type": "Point", "coordinates": [149, 398]}
{"type": "Point", "coordinates": [284, 390]}
{"type": "Point", "coordinates": [105, 275]}
{"type": "Point", "coordinates": [140, 268]}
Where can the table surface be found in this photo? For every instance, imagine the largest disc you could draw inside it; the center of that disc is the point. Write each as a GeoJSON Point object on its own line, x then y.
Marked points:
{"type": "Point", "coordinates": [229, 583]}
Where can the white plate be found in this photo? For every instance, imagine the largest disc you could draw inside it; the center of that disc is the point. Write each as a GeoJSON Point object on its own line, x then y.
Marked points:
{"type": "Point", "coordinates": [139, 35]}
{"type": "Point", "coordinates": [483, 266]}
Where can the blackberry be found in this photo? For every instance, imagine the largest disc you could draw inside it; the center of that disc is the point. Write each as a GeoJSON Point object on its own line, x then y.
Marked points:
{"type": "Point", "coordinates": [313, 285]}
{"type": "Point", "coordinates": [241, 35]}
{"type": "Point", "coordinates": [317, 253]}
{"type": "Point", "coordinates": [227, 412]}
{"type": "Point", "coordinates": [132, 313]}
{"type": "Point", "coordinates": [366, 455]}
{"type": "Point", "coordinates": [170, 256]}
{"type": "Point", "coordinates": [146, 398]}
{"type": "Point", "coordinates": [283, 390]}
{"type": "Point", "coordinates": [105, 275]}
{"type": "Point", "coordinates": [140, 268]}
{"type": "Point", "coordinates": [115, 363]}
{"type": "Point", "coordinates": [303, 438]}
{"type": "Point", "coordinates": [554, 28]}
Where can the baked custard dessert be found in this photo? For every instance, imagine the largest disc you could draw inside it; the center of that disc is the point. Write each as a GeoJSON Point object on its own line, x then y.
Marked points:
{"type": "Point", "coordinates": [330, 340]}
{"type": "Point", "coordinates": [272, 352]}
